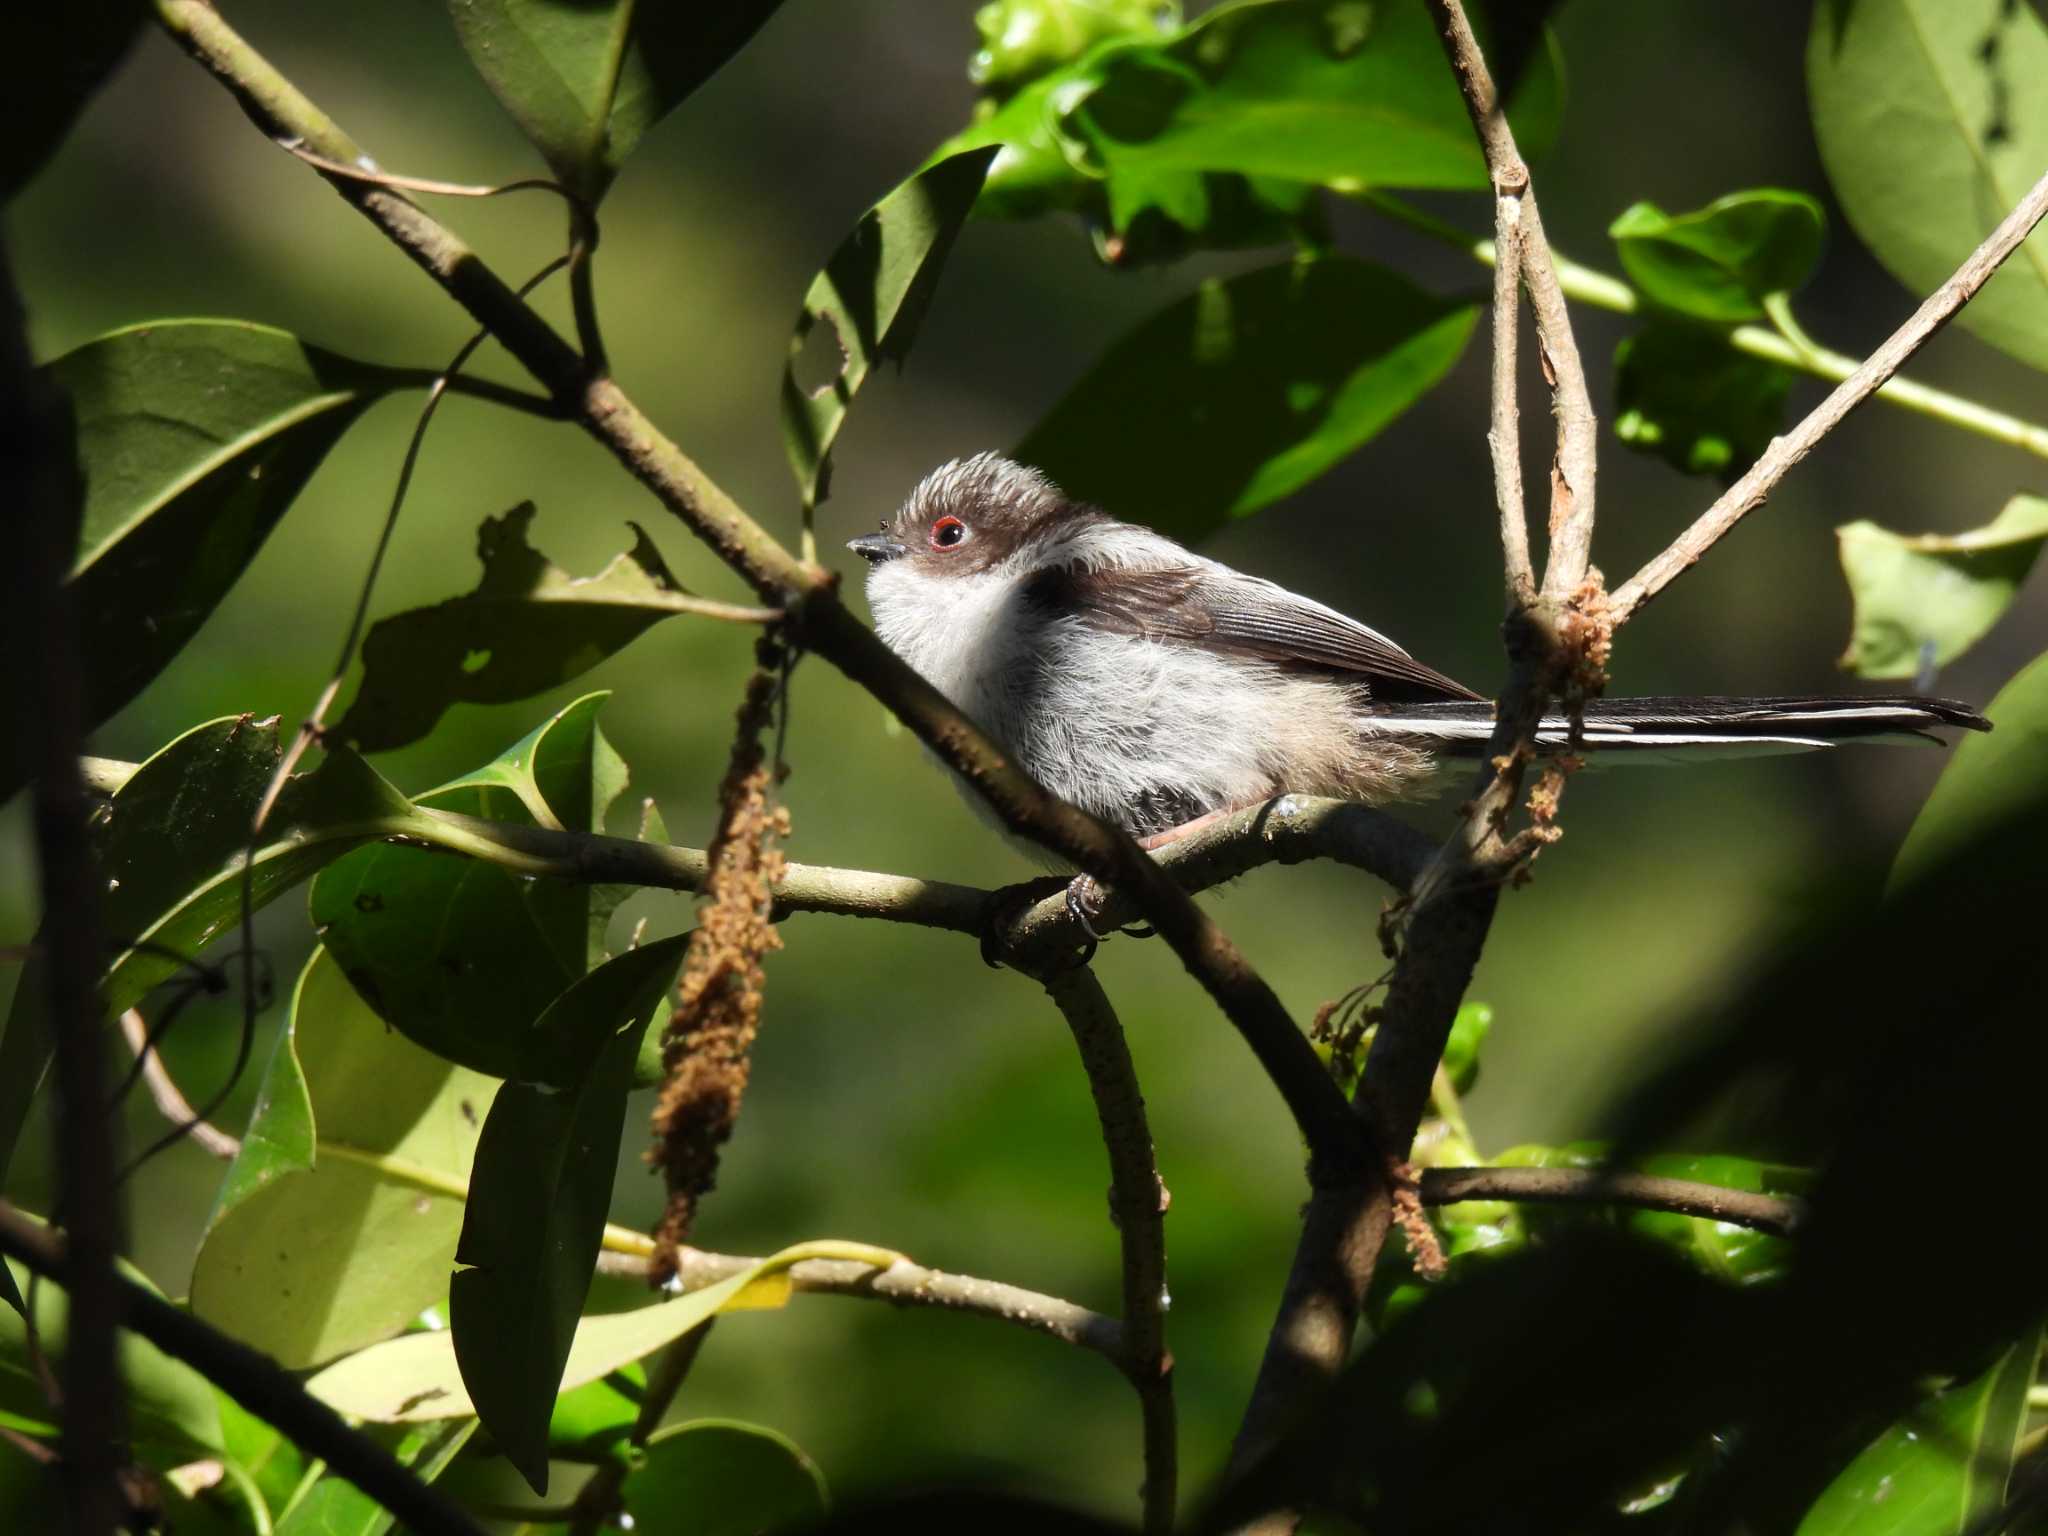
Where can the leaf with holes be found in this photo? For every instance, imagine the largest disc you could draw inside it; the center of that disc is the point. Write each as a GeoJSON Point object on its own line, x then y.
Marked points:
{"type": "Point", "coordinates": [195, 436]}
{"type": "Point", "coordinates": [541, 1188]}
{"type": "Point", "coordinates": [584, 79]}
{"type": "Point", "coordinates": [1932, 122]}
{"type": "Point", "coordinates": [1942, 1470]}
{"type": "Point", "coordinates": [527, 627]}
{"type": "Point", "coordinates": [502, 946]}
{"type": "Point", "coordinates": [1682, 394]}
{"type": "Point", "coordinates": [170, 845]}
{"type": "Point", "coordinates": [1921, 601]}
{"type": "Point", "coordinates": [337, 1223]}
{"type": "Point", "coordinates": [416, 1378]}
{"type": "Point", "coordinates": [1720, 263]}
{"type": "Point", "coordinates": [1246, 391]}
{"type": "Point", "coordinates": [869, 300]}
{"type": "Point", "coordinates": [734, 1479]}
{"type": "Point", "coordinates": [56, 57]}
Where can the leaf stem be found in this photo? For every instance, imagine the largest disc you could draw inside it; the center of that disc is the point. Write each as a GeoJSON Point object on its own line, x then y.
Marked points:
{"type": "Point", "coordinates": [1588, 285]}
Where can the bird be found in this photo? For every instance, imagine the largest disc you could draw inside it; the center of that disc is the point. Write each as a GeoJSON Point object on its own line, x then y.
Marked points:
{"type": "Point", "coordinates": [1157, 689]}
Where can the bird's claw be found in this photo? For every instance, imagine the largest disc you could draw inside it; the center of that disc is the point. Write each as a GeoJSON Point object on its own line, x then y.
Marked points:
{"type": "Point", "coordinates": [1084, 903]}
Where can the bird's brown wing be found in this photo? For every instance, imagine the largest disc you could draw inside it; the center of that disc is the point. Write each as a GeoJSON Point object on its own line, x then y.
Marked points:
{"type": "Point", "coordinates": [1242, 616]}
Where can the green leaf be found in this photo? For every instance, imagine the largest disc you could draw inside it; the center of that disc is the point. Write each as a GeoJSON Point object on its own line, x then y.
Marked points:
{"type": "Point", "coordinates": [56, 57]}
{"type": "Point", "coordinates": [195, 436]}
{"type": "Point", "coordinates": [1720, 263]}
{"type": "Point", "coordinates": [1337, 93]}
{"type": "Point", "coordinates": [1932, 121]}
{"type": "Point", "coordinates": [1923, 601]}
{"type": "Point", "coordinates": [540, 1191]}
{"type": "Point", "coordinates": [718, 1477]}
{"type": "Point", "coordinates": [501, 946]}
{"type": "Point", "coordinates": [1941, 1470]}
{"type": "Point", "coordinates": [1469, 1029]}
{"type": "Point", "coordinates": [870, 297]}
{"type": "Point", "coordinates": [1682, 393]}
{"type": "Point", "coordinates": [1247, 390]}
{"type": "Point", "coordinates": [170, 847]}
{"type": "Point", "coordinates": [1989, 778]}
{"type": "Point", "coordinates": [584, 79]}
{"type": "Point", "coordinates": [415, 1378]}
{"type": "Point", "coordinates": [335, 1507]}
{"type": "Point", "coordinates": [527, 627]}
{"type": "Point", "coordinates": [171, 1407]}
{"type": "Point", "coordinates": [1023, 39]}
{"type": "Point", "coordinates": [307, 1261]}
{"type": "Point", "coordinates": [599, 1412]}
{"type": "Point", "coordinates": [270, 1464]}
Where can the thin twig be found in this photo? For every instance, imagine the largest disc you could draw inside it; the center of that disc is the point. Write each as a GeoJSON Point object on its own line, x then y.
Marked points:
{"type": "Point", "coordinates": [252, 1379]}
{"type": "Point", "coordinates": [907, 1285]}
{"type": "Point", "coordinates": [1777, 1214]}
{"type": "Point", "coordinates": [1137, 1202]}
{"type": "Point", "coordinates": [1749, 493]}
{"type": "Point", "coordinates": [170, 1100]}
{"type": "Point", "coordinates": [1504, 436]}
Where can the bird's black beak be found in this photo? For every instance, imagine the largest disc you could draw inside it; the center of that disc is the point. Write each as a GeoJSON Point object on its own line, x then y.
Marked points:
{"type": "Point", "coordinates": [876, 547]}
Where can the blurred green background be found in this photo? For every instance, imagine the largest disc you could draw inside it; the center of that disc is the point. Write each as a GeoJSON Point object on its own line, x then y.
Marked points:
{"type": "Point", "coordinates": [902, 1094]}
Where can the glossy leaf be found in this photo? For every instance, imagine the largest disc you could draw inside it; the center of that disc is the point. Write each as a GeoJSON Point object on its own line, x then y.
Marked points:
{"type": "Point", "coordinates": [471, 993]}
{"type": "Point", "coordinates": [1921, 601]}
{"type": "Point", "coordinates": [584, 79]}
{"type": "Point", "coordinates": [307, 1263]}
{"type": "Point", "coordinates": [1720, 263]}
{"type": "Point", "coordinates": [1989, 778]}
{"type": "Point", "coordinates": [1246, 391]}
{"type": "Point", "coordinates": [1024, 39]}
{"type": "Point", "coordinates": [540, 1191]}
{"type": "Point", "coordinates": [527, 627]}
{"type": "Point", "coordinates": [1932, 121]}
{"type": "Point", "coordinates": [870, 298]}
{"type": "Point", "coordinates": [1681, 393]}
{"type": "Point", "coordinates": [1469, 1029]}
{"type": "Point", "coordinates": [1327, 92]}
{"type": "Point", "coordinates": [1942, 1470]}
{"type": "Point", "coordinates": [56, 57]}
{"type": "Point", "coordinates": [195, 436]}
{"type": "Point", "coordinates": [336, 1507]}
{"type": "Point", "coordinates": [600, 1411]}
{"type": "Point", "coordinates": [717, 1477]}
{"type": "Point", "coordinates": [171, 1407]}
{"type": "Point", "coordinates": [170, 845]}
{"type": "Point", "coordinates": [415, 1378]}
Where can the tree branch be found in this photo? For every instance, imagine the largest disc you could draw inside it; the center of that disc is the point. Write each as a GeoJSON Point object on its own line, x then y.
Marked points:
{"type": "Point", "coordinates": [820, 622]}
{"type": "Point", "coordinates": [1750, 492]}
{"type": "Point", "coordinates": [1780, 1215]}
{"type": "Point", "coordinates": [1137, 1204]}
{"type": "Point", "coordinates": [255, 1381]}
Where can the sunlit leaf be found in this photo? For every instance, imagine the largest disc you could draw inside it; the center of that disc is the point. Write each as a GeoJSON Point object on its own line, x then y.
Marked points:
{"type": "Point", "coordinates": [599, 1411]}
{"type": "Point", "coordinates": [540, 1190]}
{"type": "Point", "coordinates": [1469, 1029]}
{"type": "Point", "coordinates": [1247, 390]}
{"type": "Point", "coordinates": [1932, 121]}
{"type": "Point", "coordinates": [274, 1467]}
{"type": "Point", "coordinates": [428, 939]}
{"type": "Point", "coordinates": [170, 1405]}
{"type": "Point", "coordinates": [309, 1263]}
{"type": "Point", "coordinates": [1682, 393]}
{"type": "Point", "coordinates": [1023, 39]}
{"type": "Point", "coordinates": [415, 1378]}
{"type": "Point", "coordinates": [1942, 1470]}
{"type": "Point", "coordinates": [584, 79]}
{"type": "Point", "coordinates": [336, 1507]}
{"type": "Point", "coordinates": [1721, 262]}
{"type": "Point", "coordinates": [195, 436]}
{"type": "Point", "coordinates": [170, 846]}
{"type": "Point", "coordinates": [527, 627]}
{"type": "Point", "coordinates": [56, 57]}
{"type": "Point", "coordinates": [869, 299]}
{"type": "Point", "coordinates": [1921, 601]}
{"type": "Point", "coordinates": [1990, 777]}
{"type": "Point", "coordinates": [717, 1477]}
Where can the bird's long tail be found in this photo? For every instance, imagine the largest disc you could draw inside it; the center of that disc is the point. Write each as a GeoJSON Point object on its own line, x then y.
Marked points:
{"type": "Point", "coordinates": [1692, 725]}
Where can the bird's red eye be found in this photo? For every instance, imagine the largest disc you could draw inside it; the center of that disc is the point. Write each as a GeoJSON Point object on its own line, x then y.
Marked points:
{"type": "Point", "coordinates": [948, 533]}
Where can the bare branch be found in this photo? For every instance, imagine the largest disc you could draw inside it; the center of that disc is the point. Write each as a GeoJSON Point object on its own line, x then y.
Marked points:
{"type": "Point", "coordinates": [1137, 1203]}
{"type": "Point", "coordinates": [1504, 437]}
{"type": "Point", "coordinates": [1777, 1214]}
{"type": "Point", "coordinates": [1750, 492]}
{"type": "Point", "coordinates": [255, 1381]}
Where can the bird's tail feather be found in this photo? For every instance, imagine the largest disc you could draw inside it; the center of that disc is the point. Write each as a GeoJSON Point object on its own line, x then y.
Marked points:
{"type": "Point", "coordinates": [1692, 725]}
